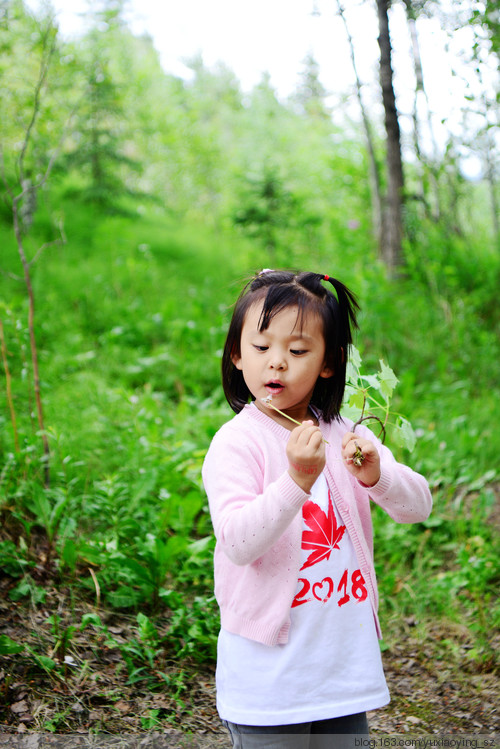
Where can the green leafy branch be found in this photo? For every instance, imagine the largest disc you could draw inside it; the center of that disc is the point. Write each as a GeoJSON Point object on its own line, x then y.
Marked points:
{"type": "Point", "coordinates": [368, 398]}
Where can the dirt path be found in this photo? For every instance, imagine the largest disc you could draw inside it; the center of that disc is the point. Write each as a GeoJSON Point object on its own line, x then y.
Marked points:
{"type": "Point", "coordinates": [435, 688]}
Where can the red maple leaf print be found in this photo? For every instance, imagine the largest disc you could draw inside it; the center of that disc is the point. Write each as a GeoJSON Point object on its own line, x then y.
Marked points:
{"type": "Point", "coordinates": [324, 534]}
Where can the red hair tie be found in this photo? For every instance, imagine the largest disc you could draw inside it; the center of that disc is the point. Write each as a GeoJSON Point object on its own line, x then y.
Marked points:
{"type": "Point", "coordinates": [326, 278]}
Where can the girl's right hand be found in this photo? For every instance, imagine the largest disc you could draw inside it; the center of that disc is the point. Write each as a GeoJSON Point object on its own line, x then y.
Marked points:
{"type": "Point", "coordinates": [306, 454]}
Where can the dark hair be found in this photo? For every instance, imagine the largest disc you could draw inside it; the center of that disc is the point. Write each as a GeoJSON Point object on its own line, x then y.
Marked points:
{"type": "Point", "coordinates": [281, 289]}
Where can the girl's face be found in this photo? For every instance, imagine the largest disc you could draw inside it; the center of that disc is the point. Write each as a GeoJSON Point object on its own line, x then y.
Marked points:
{"type": "Point", "coordinates": [284, 361]}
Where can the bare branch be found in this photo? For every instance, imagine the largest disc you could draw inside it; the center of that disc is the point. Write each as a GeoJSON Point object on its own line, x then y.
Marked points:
{"type": "Point", "coordinates": [60, 241]}
{"type": "Point", "coordinates": [376, 190]}
{"type": "Point", "coordinates": [26, 186]}
{"type": "Point", "coordinates": [43, 179]}
{"type": "Point", "coordinates": [13, 276]}
{"type": "Point", "coordinates": [42, 76]}
{"type": "Point", "coordinates": [370, 417]}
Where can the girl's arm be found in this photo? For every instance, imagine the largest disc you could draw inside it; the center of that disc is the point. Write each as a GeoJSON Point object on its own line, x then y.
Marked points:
{"type": "Point", "coordinates": [248, 517]}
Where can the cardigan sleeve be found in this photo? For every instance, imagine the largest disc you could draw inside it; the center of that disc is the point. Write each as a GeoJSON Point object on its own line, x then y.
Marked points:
{"type": "Point", "coordinates": [248, 517]}
{"type": "Point", "coordinates": [403, 493]}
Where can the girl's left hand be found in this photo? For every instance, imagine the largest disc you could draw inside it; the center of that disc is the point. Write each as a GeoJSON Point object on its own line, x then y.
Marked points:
{"type": "Point", "coordinates": [368, 471]}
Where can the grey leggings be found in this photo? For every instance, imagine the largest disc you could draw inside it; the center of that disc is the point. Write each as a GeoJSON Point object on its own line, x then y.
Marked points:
{"type": "Point", "coordinates": [335, 733]}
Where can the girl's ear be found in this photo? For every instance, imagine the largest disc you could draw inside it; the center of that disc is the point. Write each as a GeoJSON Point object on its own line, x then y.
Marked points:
{"type": "Point", "coordinates": [236, 359]}
{"type": "Point", "coordinates": [326, 372]}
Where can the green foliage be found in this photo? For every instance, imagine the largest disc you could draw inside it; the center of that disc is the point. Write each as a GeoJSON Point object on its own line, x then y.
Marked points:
{"type": "Point", "coordinates": [455, 551]}
{"type": "Point", "coordinates": [374, 392]}
{"type": "Point", "coordinates": [194, 629]}
{"type": "Point", "coordinates": [132, 396]}
{"type": "Point", "coordinates": [266, 208]}
{"type": "Point", "coordinates": [131, 318]}
{"type": "Point", "coordinates": [99, 135]}
{"type": "Point", "coordinates": [11, 647]}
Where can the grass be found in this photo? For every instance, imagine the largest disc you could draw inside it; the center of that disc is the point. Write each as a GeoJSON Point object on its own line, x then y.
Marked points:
{"type": "Point", "coordinates": [130, 319]}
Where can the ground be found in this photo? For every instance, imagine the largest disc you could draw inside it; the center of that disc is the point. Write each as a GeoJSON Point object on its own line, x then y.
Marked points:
{"type": "Point", "coordinates": [435, 688]}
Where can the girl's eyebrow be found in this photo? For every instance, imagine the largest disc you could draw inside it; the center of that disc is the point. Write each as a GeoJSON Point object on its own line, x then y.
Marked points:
{"type": "Point", "coordinates": [292, 337]}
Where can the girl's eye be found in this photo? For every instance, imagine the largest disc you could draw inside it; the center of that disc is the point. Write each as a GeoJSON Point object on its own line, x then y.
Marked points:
{"type": "Point", "coordinates": [298, 352]}
{"type": "Point", "coordinates": [260, 348]}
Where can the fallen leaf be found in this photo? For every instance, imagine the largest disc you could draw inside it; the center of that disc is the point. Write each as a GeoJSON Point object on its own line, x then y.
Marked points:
{"type": "Point", "coordinates": [122, 706]}
{"type": "Point", "coordinates": [20, 707]}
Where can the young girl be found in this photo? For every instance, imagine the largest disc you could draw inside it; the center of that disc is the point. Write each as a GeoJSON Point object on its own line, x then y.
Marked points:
{"type": "Point", "coordinates": [298, 654]}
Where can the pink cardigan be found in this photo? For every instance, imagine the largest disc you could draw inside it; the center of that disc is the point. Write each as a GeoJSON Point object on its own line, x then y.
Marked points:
{"type": "Point", "coordinates": [256, 512]}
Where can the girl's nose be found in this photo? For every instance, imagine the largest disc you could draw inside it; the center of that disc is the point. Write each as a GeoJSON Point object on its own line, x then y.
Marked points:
{"type": "Point", "coordinates": [278, 363]}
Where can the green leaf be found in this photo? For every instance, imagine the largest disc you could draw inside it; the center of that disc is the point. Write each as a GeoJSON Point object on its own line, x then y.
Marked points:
{"type": "Point", "coordinates": [388, 380]}
{"type": "Point", "coordinates": [351, 373]}
{"type": "Point", "coordinates": [144, 486]}
{"type": "Point", "coordinates": [348, 412]}
{"type": "Point", "coordinates": [357, 400]}
{"type": "Point", "coordinates": [46, 662]}
{"type": "Point", "coordinates": [91, 554]}
{"type": "Point", "coordinates": [372, 381]}
{"type": "Point", "coordinates": [9, 647]}
{"type": "Point", "coordinates": [69, 554]}
{"type": "Point", "coordinates": [25, 588]}
{"type": "Point", "coordinates": [200, 546]}
{"type": "Point", "coordinates": [93, 619]}
{"type": "Point", "coordinates": [139, 572]}
{"type": "Point", "coordinates": [354, 357]}
{"type": "Point", "coordinates": [124, 597]}
{"type": "Point", "coordinates": [404, 434]}
{"type": "Point", "coordinates": [43, 660]}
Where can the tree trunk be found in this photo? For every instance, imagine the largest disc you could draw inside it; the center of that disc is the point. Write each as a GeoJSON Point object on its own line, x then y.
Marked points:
{"type": "Point", "coordinates": [392, 231]}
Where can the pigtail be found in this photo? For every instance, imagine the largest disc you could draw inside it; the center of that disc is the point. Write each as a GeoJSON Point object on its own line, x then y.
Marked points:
{"type": "Point", "coordinates": [348, 307]}
{"type": "Point", "coordinates": [343, 307]}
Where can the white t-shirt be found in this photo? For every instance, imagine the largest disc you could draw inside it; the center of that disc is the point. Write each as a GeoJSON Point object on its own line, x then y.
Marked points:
{"type": "Point", "coordinates": [331, 665]}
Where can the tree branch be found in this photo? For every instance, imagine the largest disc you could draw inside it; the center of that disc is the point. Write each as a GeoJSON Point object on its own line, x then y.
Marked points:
{"type": "Point", "coordinates": [60, 241]}
{"type": "Point", "coordinates": [42, 76]}
{"type": "Point", "coordinates": [8, 383]}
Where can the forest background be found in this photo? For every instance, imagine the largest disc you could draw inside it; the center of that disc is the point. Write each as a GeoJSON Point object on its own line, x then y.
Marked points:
{"type": "Point", "coordinates": [134, 205]}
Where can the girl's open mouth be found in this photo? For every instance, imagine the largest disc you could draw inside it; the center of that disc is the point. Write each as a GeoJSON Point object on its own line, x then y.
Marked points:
{"type": "Point", "coordinates": [274, 388]}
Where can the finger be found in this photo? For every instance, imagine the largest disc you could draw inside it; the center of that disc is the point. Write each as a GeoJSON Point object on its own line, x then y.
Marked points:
{"type": "Point", "coordinates": [298, 430]}
{"type": "Point", "coordinates": [312, 435]}
{"type": "Point", "coordinates": [314, 440]}
{"type": "Point", "coordinates": [347, 438]}
{"type": "Point", "coordinates": [349, 442]}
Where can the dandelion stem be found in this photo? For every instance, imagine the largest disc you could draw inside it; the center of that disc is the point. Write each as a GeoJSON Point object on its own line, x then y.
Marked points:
{"type": "Point", "coordinates": [267, 402]}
